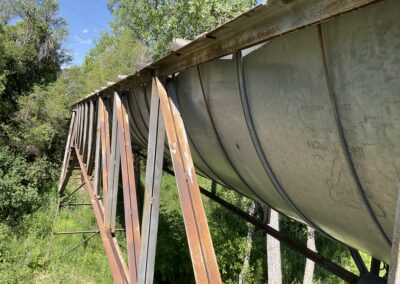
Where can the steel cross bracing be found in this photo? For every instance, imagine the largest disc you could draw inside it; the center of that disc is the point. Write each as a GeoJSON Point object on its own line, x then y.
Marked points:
{"type": "Point", "coordinates": [112, 155]}
{"type": "Point", "coordinates": [99, 139]}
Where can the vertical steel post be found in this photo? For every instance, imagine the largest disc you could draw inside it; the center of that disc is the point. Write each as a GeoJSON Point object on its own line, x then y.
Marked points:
{"type": "Point", "coordinates": [90, 134]}
{"type": "Point", "coordinates": [105, 147]}
{"type": "Point", "coordinates": [129, 187]}
{"type": "Point", "coordinates": [115, 258]}
{"type": "Point", "coordinates": [113, 173]}
{"type": "Point", "coordinates": [67, 153]}
{"type": "Point", "coordinates": [394, 271]}
{"type": "Point", "coordinates": [151, 206]}
{"type": "Point", "coordinates": [97, 157]}
{"type": "Point", "coordinates": [200, 244]}
{"type": "Point", "coordinates": [85, 131]}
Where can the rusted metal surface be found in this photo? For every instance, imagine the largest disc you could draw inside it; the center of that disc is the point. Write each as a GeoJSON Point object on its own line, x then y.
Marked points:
{"type": "Point", "coordinates": [310, 254]}
{"type": "Point", "coordinates": [105, 146]}
{"type": "Point", "coordinates": [151, 207]}
{"type": "Point", "coordinates": [67, 153]}
{"type": "Point", "coordinates": [293, 119]}
{"type": "Point", "coordinates": [200, 245]}
{"type": "Point", "coordinates": [300, 114]}
{"type": "Point", "coordinates": [129, 188]}
{"type": "Point", "coordinates": [260, 24]}
{"type": "Point", "coordinates": [394, 271]}
{"type": "Point", "coordinates": [114, 256]}
{"type": "Point", "coordinates": [114, 166]}
{"type": "Point", "coordinates": [325, 263]}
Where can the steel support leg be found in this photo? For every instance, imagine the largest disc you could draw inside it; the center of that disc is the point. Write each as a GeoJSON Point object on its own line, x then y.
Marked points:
{"type": "Point", "coordinates": [151, 207]}
{"type": "Point", "coordinates": [394, 270]}
{"type": "Point", "coordinates": [129, 188]}
{"type": "Point", "coordinates": [200, 245]}
{"type": "Point", "coordinates": [115, 258]}
{"type": "Point", "coordinates": [67, 154]}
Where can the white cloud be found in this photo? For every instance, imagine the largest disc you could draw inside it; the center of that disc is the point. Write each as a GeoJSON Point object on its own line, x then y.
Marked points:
{"type": "Point", "coordinates": [85, 31]}
{"type": "Point", "coordinates": [78, 39]}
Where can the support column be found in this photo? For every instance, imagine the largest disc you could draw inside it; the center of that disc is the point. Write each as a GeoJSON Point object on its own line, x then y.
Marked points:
{"type": "Point", "coordinates": [200, 244]}
{"type": "Point", "coordinates": [129, 188]}
{"type": "Point", "coordinates": [114, 255]}
{"type": "Point", "coordinates": [394, 270]}
{"type": "Point", "coordinates": [121, 162]}
{"type": "Point", "coordinates": [151, 207]}
{"type": "Point", "coordinates": [67, 153]}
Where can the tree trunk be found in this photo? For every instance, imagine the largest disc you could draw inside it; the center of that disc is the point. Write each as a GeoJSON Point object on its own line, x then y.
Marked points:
{"type": "Point", "coordinates": [249, 245]}
{"type": "Point", "coordinates": [274, 264]}
{"type": "Point", "coordinates": [309, 269]}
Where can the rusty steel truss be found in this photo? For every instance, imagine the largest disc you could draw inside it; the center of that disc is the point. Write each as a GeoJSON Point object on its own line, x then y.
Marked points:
{"type": "Point", "coordinates": [99, 144]}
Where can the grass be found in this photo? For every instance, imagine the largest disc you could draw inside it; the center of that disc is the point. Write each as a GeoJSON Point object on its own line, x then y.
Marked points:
{"type": "Point", "coordinates": [31, 255]}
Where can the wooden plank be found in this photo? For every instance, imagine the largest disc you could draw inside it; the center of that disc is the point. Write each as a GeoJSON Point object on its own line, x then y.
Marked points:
{"type": "Point", "coordinates": [200, 245]}
{"type": "Point", "coordinates": [151, 207]}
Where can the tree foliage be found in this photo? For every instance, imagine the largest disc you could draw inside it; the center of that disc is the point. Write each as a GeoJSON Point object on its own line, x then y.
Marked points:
{"type": "Point", "coordinates": [21, 184]}
{"type": "Point", "coordinates": [35, 101]}
{"type": "Point", "coordinates": [31, 33]}
{"type": "Point", "coordinates": [156, 22]}
{"type": "Point", "coordinates": [34, 129]}
{"type": "Point", "coordinates": [113, 55]}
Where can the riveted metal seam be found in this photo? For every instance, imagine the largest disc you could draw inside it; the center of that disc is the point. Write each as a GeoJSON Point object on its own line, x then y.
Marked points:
{"type": "Point", "coordinates": [220, 142]}
{"type": "Point", "coordinates": [257, 145]}
{"type": "Point", "coordinates": [343, 142]}
{"type": "Point", "coordinates": [221, 180]}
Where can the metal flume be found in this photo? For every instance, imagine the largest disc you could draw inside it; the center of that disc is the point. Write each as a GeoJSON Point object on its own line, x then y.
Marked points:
{"type": "Point", "coordinates": [308, 123]}
{"type": "Point", "coordinates": [293, 103]}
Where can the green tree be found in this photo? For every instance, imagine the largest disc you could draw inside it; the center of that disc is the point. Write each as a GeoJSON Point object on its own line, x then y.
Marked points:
{"type": "Point", "coordinates": [21, 184]}
{"type": "Point", "coordinates": [34, 129]}
{"type": "Point", "coordinates": [31, 33]}
{"type": "Point", "coordinates": [111, 56]}
{"type": "Point", "coordinates": [156, 22]}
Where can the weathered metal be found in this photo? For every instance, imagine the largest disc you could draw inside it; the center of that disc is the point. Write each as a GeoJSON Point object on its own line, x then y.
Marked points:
{"type": "Point", "coordinates": [300, 114]}
{"type": "Point", "coordinates": [129, 188]}
{"type": "Point", "coordinates": [200, 245]}
{"type": "Point", "coordinates": [394, 271]}
{"type": "Point", "coordinates": [115, 258]}
{"type": "Point", "coordinates": [151, 207]}
{"type": "Point", "coordinates": [76, 232]}
{"type": "Point", "coordinates": [295, 245]}
{"type": "Point", "coordinates": [67, 154]}
{"type": "Point", "coordinates": [80, 244]}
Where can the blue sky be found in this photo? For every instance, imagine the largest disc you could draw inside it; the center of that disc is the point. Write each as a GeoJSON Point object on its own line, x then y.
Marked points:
{"type": "Point", "coordinates": [86, 20]}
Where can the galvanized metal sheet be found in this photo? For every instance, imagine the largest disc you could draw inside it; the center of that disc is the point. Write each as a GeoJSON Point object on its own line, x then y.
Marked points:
{"type": "Point", "coordinates": [308, 123]}
{"type": "Point", "coordinates": [286, 83]}
{"type": "Point", "coordinates": [363, 52]}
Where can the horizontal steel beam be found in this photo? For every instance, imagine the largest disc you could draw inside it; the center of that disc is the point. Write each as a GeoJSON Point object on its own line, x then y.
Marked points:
{"type": "Point", "coordinates": [294, 244]}
{"type": "Point", "coordinates": [114, 258]}
{"type": "Point", "coordinates": [83, 232]}
{"type": "Point", "coordinates": [260, 24]}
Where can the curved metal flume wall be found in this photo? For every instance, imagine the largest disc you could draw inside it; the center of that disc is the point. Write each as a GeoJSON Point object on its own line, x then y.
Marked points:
{"type": "Point", "coordinates": [308, 123]}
